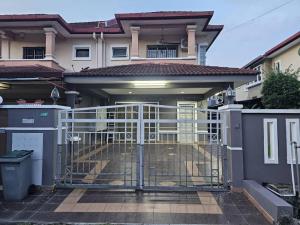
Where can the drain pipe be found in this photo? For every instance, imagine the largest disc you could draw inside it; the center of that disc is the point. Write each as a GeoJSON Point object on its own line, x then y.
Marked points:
{"type": "Point", "coordinates": [294, 193]}
{"type": "Point", "coordinates": [103, 49]}
{"type": "Point", "coordinates": [96, 40]}
{"type": "Point", "coordinates": [292, 167]}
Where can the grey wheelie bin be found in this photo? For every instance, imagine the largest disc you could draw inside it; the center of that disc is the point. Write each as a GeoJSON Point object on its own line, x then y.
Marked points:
{"type": "Point", "coordinates": [16, 174]}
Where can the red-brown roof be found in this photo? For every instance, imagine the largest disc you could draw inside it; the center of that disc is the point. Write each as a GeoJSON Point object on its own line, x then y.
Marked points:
{"type": "Point", "coordinates": [258, 59]}
{"type": "Point", "coordinates": [274, 49]}
{"type": "Point", "coordinates": [164, 15]}
{"type": "Point", "coordinates": [158, 69]}
{"type": "Point", "coordinates": [284, 43]}
{"type": "Point", "coordinates": [34, 71]}
{"type": "Point", "coordinates": [113, 26]}
{"type": "Point", "coordinates": [74, 28]}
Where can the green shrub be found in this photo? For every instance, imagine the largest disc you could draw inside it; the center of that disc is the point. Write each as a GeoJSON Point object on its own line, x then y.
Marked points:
{"type": "Point", "coordinates": [281, 90]}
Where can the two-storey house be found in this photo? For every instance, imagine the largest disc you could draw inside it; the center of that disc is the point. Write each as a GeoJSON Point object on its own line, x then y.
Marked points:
{"type": "Point", "coordinates": [284, 56]}
{"type": "Point", "coordinates": [146, 57]}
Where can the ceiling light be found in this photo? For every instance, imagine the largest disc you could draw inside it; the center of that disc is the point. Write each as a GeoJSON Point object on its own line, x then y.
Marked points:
{"type": "Point", "coordinates": [150, 84]}
{"type": "Point", "coordinates": [182, 92]}
{"type": "Point", "coordinates": [130, 92]}
{"type": "Point", "coordinates": [4, 86]}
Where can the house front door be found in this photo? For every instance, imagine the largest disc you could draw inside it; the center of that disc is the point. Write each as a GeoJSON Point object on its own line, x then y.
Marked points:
{"type": "Point", "coordinates": [186, 130]}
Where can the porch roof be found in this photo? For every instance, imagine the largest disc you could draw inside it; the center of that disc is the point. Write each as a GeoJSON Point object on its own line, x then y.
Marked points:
{"type": "Point", "coordinates": [161, 69]}
{"type": "Point", "coordinates": [33, 71]}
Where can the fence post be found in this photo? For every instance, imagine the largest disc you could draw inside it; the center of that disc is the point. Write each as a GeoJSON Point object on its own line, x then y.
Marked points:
{"type": "Point", "coordinates": [224, 166]}
{"type": "Point", "coordinates": [233, 142]}
{"type": "Point", "coordinates": [140, 149]}
{"type": "Point", "coordinates": [57, 156]}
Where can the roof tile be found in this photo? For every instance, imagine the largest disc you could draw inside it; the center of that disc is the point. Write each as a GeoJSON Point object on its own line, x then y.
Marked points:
{"type": "Point", "coordinates": [29, 71]}
{"type": "Point", "coordinates": [113, 26]}
{"type": "Point", "coordinates": [162, 69]}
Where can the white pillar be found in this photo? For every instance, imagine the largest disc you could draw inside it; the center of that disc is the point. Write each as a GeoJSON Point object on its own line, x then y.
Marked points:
{"type": "Point", "coordinates": [50, 43]}
{"type": "Point", "coordinates": [134, 42]}
{"type": "Point", "coordinates": [5, 43]}
{"type": "Point", "coordinates": [191, 32]}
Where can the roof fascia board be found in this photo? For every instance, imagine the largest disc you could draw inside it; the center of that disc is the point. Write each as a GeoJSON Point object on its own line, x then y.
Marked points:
{"type": "Point", "coordinates": [278, 49]}
{"type": "Point", "coordinates": [175, 79]}
{"type": "Point", "coordinates": [283, 49]}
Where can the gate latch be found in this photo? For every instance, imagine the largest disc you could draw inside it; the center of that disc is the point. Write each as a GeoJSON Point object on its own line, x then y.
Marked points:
{"type": "Point", "coordinates": [75, 138]}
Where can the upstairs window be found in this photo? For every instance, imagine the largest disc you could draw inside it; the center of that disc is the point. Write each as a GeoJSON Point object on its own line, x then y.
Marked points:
{"type": "Point", "coordinates": [119, 52]}
{"type": "Point", "coordinates": [259, 76]}
{"type": "Point", "coordinates": [33, 52]}
{"type": "Point", "coordinates": [277, 66]}
{"type": "Point", "coordinates": [162, 51]}
{"type": "Point", "coordinates": [81, 52]}
{"type": "Point", "coordinates": [202, 54]}
{"type": "Point", "coordinates": [258, 80]}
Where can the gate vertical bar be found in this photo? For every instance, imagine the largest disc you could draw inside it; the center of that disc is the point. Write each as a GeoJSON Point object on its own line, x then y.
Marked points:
{"type": "Point", "coordinates": [58, 152]}
{"type": "Point", "coordinates": [224, 166]}
{"type": "Point", "coordinates": [140, 149]}
{"type": "Point", "coordinates": [72, 146]}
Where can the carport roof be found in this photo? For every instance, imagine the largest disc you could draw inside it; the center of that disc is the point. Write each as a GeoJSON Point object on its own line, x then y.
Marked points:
{"type": "Point", "coordinates": [160, 69]}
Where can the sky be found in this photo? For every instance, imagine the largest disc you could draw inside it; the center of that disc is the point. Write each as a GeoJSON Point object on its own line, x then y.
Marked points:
{"type": "Point", "coordinates": [246, 34]}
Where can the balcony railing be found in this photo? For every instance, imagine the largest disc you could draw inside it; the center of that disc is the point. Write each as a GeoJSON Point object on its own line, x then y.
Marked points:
{"type": "Point", "coordinates": [162, 51]}
{"type": "Point", "coordinates": [256, 82]}
{"type": "Point", "coordinates": [167, 53]}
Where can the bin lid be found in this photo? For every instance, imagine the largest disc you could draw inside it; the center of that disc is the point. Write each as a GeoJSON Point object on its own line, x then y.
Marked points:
{"type": "Point", "coordinates": [17, 154]}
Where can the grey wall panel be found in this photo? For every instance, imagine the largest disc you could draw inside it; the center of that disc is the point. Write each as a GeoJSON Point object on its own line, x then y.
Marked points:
{"type": "Point", "coordinates": [253, 146]}
{"type": "Point", "coordinates": [48, 120]}
{"type": "Point", "coordinates": [42, 117]}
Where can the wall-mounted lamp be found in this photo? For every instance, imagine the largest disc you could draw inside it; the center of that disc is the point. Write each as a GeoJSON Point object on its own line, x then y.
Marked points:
{"type": "Point", "coordinates": [230, 95]}
{"type": "Point", "coordinates": [55, 95]}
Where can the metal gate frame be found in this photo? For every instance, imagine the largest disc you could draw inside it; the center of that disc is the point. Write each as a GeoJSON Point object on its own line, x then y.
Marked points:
{"type": "Point", "coordinates": [66, 137]}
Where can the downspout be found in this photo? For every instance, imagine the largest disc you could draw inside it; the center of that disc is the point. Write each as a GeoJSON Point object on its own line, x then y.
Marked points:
{"type": "Point", "coordinates": [97, 58]}
{"type": "Point", "coordinates": [103, 50]}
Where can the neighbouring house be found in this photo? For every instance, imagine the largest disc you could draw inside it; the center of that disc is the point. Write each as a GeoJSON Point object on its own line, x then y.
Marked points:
{"type": "Point", "coordinates": [157, 57]}
{"type": "Point", "coordinates": [285, 55]}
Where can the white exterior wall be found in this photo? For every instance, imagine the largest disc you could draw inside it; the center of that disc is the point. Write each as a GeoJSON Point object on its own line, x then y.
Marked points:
{"type": "Point", "coordinates": [241, 93]}
{"type": "Point", "coordinates": [289, 59]}
{"type": "Point", "coordinates": [64, 49]}
{"type": "Point", "coordinates": [109, 43]}
{"type": "Point", "coordinates": [64, 54]}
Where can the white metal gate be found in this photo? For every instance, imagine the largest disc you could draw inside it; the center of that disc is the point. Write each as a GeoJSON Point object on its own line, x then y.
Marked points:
{"type": "Point", "coordinates": [141, 146]}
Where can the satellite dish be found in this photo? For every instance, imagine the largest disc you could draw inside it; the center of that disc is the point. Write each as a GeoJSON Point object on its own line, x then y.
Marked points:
{"type": "Point", "coordinates": [1, 100]}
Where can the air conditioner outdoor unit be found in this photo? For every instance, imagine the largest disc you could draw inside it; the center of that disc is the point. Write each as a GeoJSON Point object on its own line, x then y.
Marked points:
{"type": "Point", "coordinates": [184, 43]}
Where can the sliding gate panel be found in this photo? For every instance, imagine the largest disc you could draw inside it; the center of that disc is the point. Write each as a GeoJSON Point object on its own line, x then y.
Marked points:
{"type": "Point", "coordinates": [185, 151]}
{"type": "Point", "coordinates": [98, 147]}
{"type": "Point", "coordinates": [141, 146]}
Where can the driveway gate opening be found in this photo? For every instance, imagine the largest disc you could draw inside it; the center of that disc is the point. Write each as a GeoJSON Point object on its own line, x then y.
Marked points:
{"type": "Point", "coordinates": [141, 146]}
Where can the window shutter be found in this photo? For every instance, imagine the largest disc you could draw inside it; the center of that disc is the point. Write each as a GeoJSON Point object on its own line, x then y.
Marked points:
{"type": "Point", "coordinates": [202, 54]}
